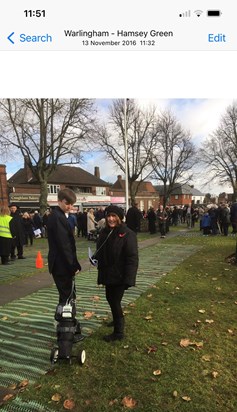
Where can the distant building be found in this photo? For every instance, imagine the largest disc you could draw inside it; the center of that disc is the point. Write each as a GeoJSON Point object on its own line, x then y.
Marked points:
{"type": "Point", "coordinates": [91, 191]}
{"type": "Point", "coordinates": [146, 196]}
{"type": "Point", "coordinates": [198, 197]}
{"type": "Point", "coordinates": [182, 195]}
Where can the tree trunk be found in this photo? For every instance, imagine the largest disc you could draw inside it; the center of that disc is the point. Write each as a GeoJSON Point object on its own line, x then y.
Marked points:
{"type": "Point", "coordinates": [43, 196]}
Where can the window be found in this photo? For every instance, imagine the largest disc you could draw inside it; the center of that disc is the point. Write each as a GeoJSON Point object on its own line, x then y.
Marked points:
{"type": "Point", "coordinates": [100, 191]}
{"type": "Point", "coordinates": [176, 196]}
{"type": "Point", "coordinates": [52, 189]}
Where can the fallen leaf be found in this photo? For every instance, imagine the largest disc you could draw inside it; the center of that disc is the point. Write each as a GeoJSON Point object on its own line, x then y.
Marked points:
{"type": "Point", "coordinates": [175, 394]}
{"type": "Point", "coordinates": [209, 320]}
{"type": "Point", "coordinates": [206, 358]}
{"type": "Point", "coordinates": [230, 331]}
{"type": "Point", "coordinates": [157, 372]}
{"type": "Point", "coordinates": [96, 298]}
{"type": "Point", "coordinates": [184, 343]}
{"type": "Point", "coordinates": [88, 315]}
{"type": "Point", "coordinates": [23, 383]}
{"type": "Point", "coordinates": [186, 398]}
{"type": "Point", "coordinates": [150, 295]}
{"type": "Point", "coordinates": [214, 278]}
{"type": "Point", "coordinates": [24, 314]}
{"type": "Point", "coordinates": [164, 343]}
{"type": "Point", "coordinates": [129, 402]}
{"type": "Point", "coordinates": [56, 397]}
{"type": "Point", "coordinates": [201, 311]}
{"type": "Point", "coordinates": [149, 317]}
{"type": "Point", "coordinates": [5, 317]}
{"type": "Point", "coordinates": [69, 404]}
{"type": "Point", "coordinates": [215, 374]}
{"type": "Point", "coordinates": [152, 348]}
{"type": "Point", "coordinates": [8, 397]}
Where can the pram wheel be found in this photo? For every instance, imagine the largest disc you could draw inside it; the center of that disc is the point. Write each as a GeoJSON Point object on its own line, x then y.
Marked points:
{"type": "Point", "coordinates": [81, 357]}
{"type": "Point", "coordinates": [54, 356]}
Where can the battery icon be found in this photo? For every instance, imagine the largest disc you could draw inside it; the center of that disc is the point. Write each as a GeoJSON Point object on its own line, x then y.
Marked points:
{"type": "Point", "coordinates": [213, 13]}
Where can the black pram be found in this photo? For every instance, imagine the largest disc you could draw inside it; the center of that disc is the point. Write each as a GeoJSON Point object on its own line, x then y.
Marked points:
{"type": "Point", "coordinates": [68, 330]}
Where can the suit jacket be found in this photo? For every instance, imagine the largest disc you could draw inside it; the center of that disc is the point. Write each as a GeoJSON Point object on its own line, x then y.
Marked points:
{"type": "Point", "coordinates": [62, 256]}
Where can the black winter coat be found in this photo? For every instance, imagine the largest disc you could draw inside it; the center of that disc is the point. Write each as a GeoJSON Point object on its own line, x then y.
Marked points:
{"type": "Point", "coordinates": [62, 258]}
{"type": "Point", "coordinates": [118, 257]}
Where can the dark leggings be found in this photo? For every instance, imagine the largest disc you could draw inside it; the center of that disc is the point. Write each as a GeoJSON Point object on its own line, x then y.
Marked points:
{"type": "Point", "coordinates": [114, 295]}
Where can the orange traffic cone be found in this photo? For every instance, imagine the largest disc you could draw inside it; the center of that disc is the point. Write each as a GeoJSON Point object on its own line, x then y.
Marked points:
{"type": "Point", "coordinates": [39, 263]}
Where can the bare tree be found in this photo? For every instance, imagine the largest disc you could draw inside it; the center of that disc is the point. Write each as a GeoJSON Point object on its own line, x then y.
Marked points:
{"type": "Point", "coordinates": [174, 155]}
{"type": "Point", "coordinates": [219, 152]}
{"type": "Point", "coordinates": [140, 133]}
{"type": "Point", "coordinates": [46, 132]}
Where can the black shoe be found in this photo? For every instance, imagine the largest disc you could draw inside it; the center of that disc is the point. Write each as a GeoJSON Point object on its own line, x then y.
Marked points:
{"type": "Point", "coordinates": [21, 257]}
{"type": "Point", "coordinates": [7, 263]}
{"type": "Point", "coordinates": [113, 337]}
{"type": "Point", "coordinates": [13, 257]}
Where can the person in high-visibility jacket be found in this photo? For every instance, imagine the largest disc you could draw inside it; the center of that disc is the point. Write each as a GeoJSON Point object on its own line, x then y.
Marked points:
{"type": "Point", "coordinates": [5, 234]}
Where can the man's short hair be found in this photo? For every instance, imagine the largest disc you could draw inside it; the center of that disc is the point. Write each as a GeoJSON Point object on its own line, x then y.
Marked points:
{"type": "Point", "coordinates": [68, 195]}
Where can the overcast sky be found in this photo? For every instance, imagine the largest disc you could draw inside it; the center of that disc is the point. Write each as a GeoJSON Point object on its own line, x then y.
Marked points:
{"type": "Point", "coordinates": [200, 116]}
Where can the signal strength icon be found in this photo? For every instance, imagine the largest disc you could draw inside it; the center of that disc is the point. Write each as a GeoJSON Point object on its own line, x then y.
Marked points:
{"type": "Point", "coordinates": [185, 14]}
{"type": "Point", "coordinates": [198, 12]}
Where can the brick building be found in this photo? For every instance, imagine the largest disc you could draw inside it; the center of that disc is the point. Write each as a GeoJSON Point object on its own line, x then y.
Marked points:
{"type": "Point", "coordinates": [3, 186]}
{"type": "Point", "coordinates": [146, 195]}
{"type": "Point", "coordinates": [91, 191]}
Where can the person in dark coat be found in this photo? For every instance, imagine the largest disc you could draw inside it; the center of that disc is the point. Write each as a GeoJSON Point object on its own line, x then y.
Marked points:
{"type": "Point", "coordinates": [28, 228]}
{"type": "Point", "coordinates": [62, 257]}
{"type": "Point", "coordinates": [18, 232]}
{"type": "Point", "coordinates": [133, 218]}
{"type": "Point", "coordinates": [117, 255]}
{"type": "Point", "coordinates": [151, 217]}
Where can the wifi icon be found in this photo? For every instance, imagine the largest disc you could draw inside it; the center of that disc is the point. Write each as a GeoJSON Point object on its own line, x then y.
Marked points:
{"type": "Point", "coordinates": [198, 12]}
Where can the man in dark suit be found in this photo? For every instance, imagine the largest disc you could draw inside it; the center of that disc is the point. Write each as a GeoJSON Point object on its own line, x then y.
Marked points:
{"type": "Point", "coordinates": [62, 257]}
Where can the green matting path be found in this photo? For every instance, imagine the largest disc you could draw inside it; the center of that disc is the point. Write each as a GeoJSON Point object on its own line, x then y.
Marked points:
{"type": "Point", "coordinates": [27, 327]}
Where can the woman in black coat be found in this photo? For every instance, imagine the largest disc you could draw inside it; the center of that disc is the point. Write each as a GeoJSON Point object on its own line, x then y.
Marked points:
{"type": "Point", "coordinates": [117, 255]}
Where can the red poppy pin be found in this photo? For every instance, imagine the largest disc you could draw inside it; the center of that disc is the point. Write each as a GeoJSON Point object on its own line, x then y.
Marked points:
{"type": "Point", "coordinates": [122, 234]}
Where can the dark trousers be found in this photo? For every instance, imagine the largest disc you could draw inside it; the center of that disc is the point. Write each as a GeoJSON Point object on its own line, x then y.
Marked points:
{"type": "Point", "coordinates": [114, 295]}
{"type": "Point", "coordinates": [64, 284]}
{"type": "Point", "coordinates": [19, 249]}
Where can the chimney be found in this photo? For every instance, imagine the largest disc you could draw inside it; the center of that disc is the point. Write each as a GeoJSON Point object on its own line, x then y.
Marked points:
{"type": "Point", "coordinates": [97, 172]}
{"type": "Point", "coordinates": [3, 186]}
{"type": "Point", "coordinates": [28, 172]}
{"type": "Point", "coordinates": [119, 177]}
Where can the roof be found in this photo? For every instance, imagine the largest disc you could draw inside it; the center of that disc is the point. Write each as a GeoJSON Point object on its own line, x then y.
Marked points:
{"type": "Point", "coordinates": [196, 192]}
{"type": "Point", "coordinates": [68, 175]}
{"type": "Point", "coordinates": [178, 189]}
{"type": "Point", "coordinates": [143, 186]}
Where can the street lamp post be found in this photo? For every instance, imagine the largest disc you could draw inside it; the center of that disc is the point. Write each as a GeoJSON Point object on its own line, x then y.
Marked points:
{"type": "Point", "coordinates": [126, 154]}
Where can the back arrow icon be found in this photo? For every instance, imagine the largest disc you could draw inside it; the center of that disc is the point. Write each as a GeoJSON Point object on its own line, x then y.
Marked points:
{"type": "Point", "coordinates": [9, 37]}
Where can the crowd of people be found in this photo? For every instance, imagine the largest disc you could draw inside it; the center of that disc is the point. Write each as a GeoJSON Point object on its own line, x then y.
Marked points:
{"type": "Point", "coordinates": [19, 229]}
{"type": "Point", "coordinates": [24, 227]}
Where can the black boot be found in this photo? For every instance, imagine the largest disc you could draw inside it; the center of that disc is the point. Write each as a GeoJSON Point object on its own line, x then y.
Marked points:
{"type": "Point", "coordinates": [118, 333]}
